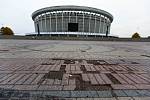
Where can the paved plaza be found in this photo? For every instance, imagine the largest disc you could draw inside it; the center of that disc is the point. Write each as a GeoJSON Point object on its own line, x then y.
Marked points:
{"type": "Point", "coordinates": [75, 69]}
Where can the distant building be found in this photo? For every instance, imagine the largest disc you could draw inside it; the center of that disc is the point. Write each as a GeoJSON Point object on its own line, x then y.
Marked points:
{"type": "Point", "coordinates": [72, 20]}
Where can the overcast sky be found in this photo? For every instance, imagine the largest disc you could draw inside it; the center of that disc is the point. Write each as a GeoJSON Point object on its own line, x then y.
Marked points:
{"type": "Point", "coordinates": [129, 15]}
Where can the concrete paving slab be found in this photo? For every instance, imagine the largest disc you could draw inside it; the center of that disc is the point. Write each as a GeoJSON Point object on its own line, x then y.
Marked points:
{"type": "Point", "coordinates": [105, 94]}
{"type": "Point", "coordinates": [124, 98]}
{"type": "Point", "coordinates": [141, 98]}
{"type": "Point", "coordinates": [143, 93]}
{"type": "Point", "coordinates": [132, 93]}
{"type": "Point", "coordinates": [119, 93]}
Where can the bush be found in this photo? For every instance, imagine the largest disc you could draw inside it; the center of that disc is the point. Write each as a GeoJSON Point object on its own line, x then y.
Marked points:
{"type": "Point", "coordinates": [6, 31]}
{"type": "Point", "coordinates": [136, 36]}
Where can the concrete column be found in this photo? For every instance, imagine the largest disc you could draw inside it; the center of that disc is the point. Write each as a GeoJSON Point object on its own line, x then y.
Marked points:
{"type": "Point", "coordinates": [100, 24]}
{"type": "Point", "coordinates": [56, 20]}
{"type": "Point", "coordinates": [35, 24]}
{"type": "Point", "coordinates": [109, 28]}
{"type": "Point", "coordinates": [41, 26]}
{"type": "Point", "coordinates": [109, 25]}
{"type": "Point", "coordinates": [76, 17]}
{"type": "Point", "coordinates": [38, 28]}
{"type": "Point", "coordinates": [62, 21]}
{"type": "Point", "coordinates": [45, 23]}
{"type": "Point", "coordinates": [95, 24]}
{"type": "Point", "coordinates": [69, 21]}
{"type": "Point", "coordinates": [104, 25]}
{"type": "Point", "coordinates": [83, 22]}
{"type": "Point", "coordinates": [105, 29]}
{"type": "Point", "coordinates": [90, 23]}
{"type": "Point", "coordinates": [50, 23]}
{"type": "Point", "coordinates": [69, 16]}
{"type": "Point", "coordinates": [77, 20]}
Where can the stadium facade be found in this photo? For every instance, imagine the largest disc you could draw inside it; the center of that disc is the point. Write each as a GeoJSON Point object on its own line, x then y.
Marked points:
{"type": "Point", "coordinates": [72, 20]}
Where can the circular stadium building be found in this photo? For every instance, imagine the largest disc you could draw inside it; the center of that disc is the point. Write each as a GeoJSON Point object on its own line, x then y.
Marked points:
{"type": "Point", "coordinates": [72, 21]}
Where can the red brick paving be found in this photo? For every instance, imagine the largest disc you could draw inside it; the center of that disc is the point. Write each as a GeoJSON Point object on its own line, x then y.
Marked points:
{"type": "Point", "coordinates": [30, 74]}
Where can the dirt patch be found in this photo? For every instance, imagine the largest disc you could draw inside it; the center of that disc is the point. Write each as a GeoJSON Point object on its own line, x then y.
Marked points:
{"type": "Point", "coordinates": [82, 67]}
{"type": "Point", "coordinates": [47, 64]}
{"type": "Point", "coordinates": [113, 79]}
{"type": "Point", "coordinates": [67, 61]}
{"type": "Point", "coordinates": [86, 86]}
{"type": "Point", "coordinates": [56, 74]}
{"type": "Point", "coordinates": [96, 62]}
{"type": "Point", "coordinates": [146, 56]}
{"type": "Point", "coordinates": [98, 87]}
{"type": "Point", "coordinates": [134, 63]}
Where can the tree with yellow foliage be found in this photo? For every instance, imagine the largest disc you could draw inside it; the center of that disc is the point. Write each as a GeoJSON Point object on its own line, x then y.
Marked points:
{"type": "Point", "coordinates": [6, 31]}
{"type": "Point", "coordinates": [136, 36]}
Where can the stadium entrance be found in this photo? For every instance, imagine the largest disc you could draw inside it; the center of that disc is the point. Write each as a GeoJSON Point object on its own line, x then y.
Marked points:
{"type": "Point", "coordinates": [72, 27]}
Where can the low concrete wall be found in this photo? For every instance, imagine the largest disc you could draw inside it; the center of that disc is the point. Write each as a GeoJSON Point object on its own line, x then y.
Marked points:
{"type": "Point", "coordinates": [75, 38]}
